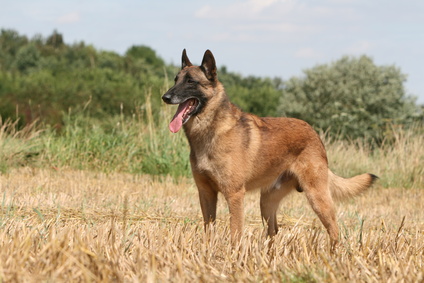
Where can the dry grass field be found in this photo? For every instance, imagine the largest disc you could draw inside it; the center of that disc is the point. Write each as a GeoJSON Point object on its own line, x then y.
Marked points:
{"type": "Point", "coordinates": [59, 225]}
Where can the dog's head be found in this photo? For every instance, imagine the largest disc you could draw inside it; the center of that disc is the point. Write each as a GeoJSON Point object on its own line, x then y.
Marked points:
{"type": "Point", "coordinates": [191, 88]}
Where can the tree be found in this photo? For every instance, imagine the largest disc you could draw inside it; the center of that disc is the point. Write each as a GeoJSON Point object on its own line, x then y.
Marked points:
{"type": "Point", "coordinates": [27, 57]}
{"type": "Point", "coordinates": [252, 94]}
{"type": "Point", "coordinates": [146, 53]}
{"type": "Point", "coordinates": [351, 97]}
{"type": "Point", "coordinates": [10, 43]}
{"type": "Point", "coordinates": [55, 40]}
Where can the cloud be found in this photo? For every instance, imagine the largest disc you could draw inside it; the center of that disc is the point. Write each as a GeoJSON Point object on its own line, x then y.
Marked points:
{"type": "Point", "coordinates": [278, 12]}
{"type": "Point", "coordinates": [269, 19]}
{"type": "Point", "coordinates": [307, 53]}
{"type": "Point", "coordinates": [258, 20]}
{"type": "Point", "coordinates": [232, 37]}
{"type": "Point", "coordinates": [284, 27]}
{"type": "Point", "coordinates": [69, 18]}
{"type": "Point", "coordinates": [360, 47]}
{"type": "Point", "coordinates": [248, 10]}
{"type": "Point", "coordinates": [285, 23]}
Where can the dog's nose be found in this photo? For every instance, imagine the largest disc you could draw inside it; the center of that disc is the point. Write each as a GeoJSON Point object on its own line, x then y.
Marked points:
{"type": "Point", "coordinates": [167, 98]}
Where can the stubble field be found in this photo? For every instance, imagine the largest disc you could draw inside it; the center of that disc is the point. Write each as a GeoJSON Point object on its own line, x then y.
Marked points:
{"type": "Point", "coordinates": [63, 225]}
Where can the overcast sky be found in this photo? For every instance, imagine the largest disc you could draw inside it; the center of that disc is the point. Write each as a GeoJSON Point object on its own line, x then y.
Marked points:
{"type": "Point", "coordinates": [277, 38]}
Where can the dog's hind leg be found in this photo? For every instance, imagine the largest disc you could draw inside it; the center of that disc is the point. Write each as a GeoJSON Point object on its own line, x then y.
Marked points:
{"type": "Point", "coordinates": [322, 203]}
{"type": "Point", "coordinates": [270, 201]}
{"type": "Point", "coordinates": [319, 197]}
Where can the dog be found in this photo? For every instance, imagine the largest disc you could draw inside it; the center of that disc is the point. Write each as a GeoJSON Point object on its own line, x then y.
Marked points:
{"type": "Point", "coordinates": [233, 152]}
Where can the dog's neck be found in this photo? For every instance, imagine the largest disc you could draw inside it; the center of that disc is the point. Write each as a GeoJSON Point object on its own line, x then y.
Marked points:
{"type": "Point", "coordinates": [216, 118]}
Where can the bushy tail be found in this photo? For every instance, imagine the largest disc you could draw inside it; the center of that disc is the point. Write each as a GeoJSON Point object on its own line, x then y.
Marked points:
{"type": "Point", "coordinates": [342, 188]}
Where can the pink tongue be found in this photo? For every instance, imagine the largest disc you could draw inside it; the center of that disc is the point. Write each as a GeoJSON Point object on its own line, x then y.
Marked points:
{"type": "Point", "coordinates": [177, 121]}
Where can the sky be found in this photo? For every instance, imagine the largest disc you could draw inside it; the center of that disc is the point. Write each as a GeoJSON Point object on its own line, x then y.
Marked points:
{"type": "Point", "coordinates": [275, 38]}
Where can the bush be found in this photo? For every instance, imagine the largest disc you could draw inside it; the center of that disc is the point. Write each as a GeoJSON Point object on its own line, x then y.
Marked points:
{"type": "Point", "coordinates": [351, 97]}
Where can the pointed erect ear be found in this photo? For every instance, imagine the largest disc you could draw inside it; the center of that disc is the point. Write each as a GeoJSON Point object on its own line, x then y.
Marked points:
{"type": "Point", "coordinates": [209, 66]}
{"type": "Point", "coordinates": [185, 62]}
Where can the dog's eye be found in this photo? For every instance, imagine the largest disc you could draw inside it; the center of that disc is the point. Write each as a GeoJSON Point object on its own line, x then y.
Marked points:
{"type": "Point", "coordinates": [191, 81]}
{"type": "Point", "coordinates": [175, 79]}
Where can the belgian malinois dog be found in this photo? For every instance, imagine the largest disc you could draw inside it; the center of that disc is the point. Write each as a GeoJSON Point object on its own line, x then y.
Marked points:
{"type": "Point", "coordinates": [233, 152]}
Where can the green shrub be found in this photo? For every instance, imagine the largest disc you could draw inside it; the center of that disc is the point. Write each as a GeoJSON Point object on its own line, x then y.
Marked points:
{"type": "Point", "coordinates": [351, 97]}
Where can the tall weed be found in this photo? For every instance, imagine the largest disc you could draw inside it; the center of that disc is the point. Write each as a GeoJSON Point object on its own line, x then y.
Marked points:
{"type": "Point", "coordinates": [142, 144]}
{"type": "Point", "coordinates": [139, 144]}
{"type": "Point", "coordinates": [17, 147]}
{"type": "Point", "coordinates": [398, 161]}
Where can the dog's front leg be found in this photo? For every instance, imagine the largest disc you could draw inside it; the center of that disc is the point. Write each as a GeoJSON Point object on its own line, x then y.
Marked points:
{"type": "Point", "coordinates": [235, 200]}
{"type": "Point", "coordinates": [208, 199]}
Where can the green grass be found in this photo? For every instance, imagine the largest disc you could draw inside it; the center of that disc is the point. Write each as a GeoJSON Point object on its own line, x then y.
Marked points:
{"type": "Point", "coordinates": [138, 144]}
{"type": "Point", "coordinates": [18, 147]}
{"type": "Point", "coordinates": [142, 144]}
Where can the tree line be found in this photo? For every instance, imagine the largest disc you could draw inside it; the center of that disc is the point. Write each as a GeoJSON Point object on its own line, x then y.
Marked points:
{"type": "Point", "coordinates": [45, 79]}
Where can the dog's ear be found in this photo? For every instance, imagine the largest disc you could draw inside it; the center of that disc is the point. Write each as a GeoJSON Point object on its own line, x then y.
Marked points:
{"type": "Point", "coordinates": [185, 62]}
{"type": "Point", "coordinates": [209, 66]}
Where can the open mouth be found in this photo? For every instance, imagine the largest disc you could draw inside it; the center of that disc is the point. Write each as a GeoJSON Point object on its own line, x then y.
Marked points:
{"type": "Point", "coordinates": [183, 114]}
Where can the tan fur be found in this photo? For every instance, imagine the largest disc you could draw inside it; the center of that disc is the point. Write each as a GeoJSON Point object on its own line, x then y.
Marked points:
{"type": "Point", "coordinates": [233, 152]}
{"type": "Point", "coordinates": [342, 188]}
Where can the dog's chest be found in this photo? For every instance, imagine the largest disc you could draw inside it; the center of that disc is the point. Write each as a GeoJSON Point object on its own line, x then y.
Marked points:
{"type": "Point", "coordinates": [202, 159]}
{"type": "Point", "coordinates": [210, 159]}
